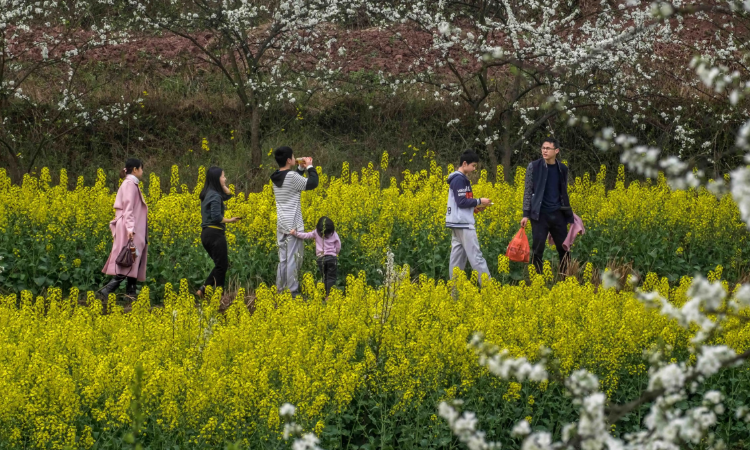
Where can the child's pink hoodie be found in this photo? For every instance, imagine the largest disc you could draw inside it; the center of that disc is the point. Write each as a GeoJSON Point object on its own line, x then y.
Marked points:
{"type": "Point", "coordinates": [330, 246]}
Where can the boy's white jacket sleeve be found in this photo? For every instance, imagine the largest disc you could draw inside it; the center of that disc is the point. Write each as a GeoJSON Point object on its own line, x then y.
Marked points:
{"type": "Point", "coordinates": [461, 202]}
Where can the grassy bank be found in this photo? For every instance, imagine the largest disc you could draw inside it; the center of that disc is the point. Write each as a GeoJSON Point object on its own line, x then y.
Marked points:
{"type": "Point", "coordinates": [189, 116]}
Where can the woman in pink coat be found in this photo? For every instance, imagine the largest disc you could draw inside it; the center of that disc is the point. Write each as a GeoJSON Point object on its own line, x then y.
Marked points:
{"type": "Point", "coordinates": [131, 221]}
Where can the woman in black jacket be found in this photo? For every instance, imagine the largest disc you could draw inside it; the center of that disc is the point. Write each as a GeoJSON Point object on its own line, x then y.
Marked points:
{"type": "Point", "coordinates": [214, 194]}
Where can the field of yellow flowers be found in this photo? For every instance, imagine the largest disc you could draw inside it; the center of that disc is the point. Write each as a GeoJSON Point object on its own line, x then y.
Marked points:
{"type": "Point", "coordinates": [51, 235]}
{"type": "Point", "coordinates": [366, 369]}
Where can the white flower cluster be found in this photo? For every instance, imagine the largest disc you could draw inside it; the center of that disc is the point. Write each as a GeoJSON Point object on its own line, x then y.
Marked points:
{"type": "Point", "coordinates": [667, 425]}
{"type": "Point", "coordinates": [44, 40]}
{"type": "Point", "coordinates": [502, 365]}
{"type": "Point", "coordinates": [740, 187]}
{"type": "Point", "coordinates": [722, 80]}
{"type": "Point", "coordinates": [645, 160]}
{"type": "Point", "coordinates": [465, 427]}
{"type": "Point", "coordinates": [263, 40]}
{"type": "Point", "coordinates": [704, 308]}
{"type": "Point", "coordinates": [496, 60]}
{"type": "Point", "coordinates": [302, 441]}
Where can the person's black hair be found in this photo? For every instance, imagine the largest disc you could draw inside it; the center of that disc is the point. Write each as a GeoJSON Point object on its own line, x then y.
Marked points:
{"type": "Point", "coordinates": [130, 164]}
{"type": "Point", "coordinates": [468, 157]}
{"type": "Point", "coordinates": [325, 227]}
{"type": "Point", "coordinates": [213, 183]}
{"type": "Point", "coordinates": [552, 141]}
{"type": "Point", "coordinates": [282, 155]}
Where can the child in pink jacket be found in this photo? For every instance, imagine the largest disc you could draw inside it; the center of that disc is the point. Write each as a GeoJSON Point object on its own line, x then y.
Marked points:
{"type": "Point", "coordinates": [327, 248]}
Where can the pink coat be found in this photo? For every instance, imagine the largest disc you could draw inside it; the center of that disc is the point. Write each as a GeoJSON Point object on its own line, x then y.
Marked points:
{"type": "Point", "coordinates": [131, 214]}
{"type": "Point", "coordinates": [576, 228]}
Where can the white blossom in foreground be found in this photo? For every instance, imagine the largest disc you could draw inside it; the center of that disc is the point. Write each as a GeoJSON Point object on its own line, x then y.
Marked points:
{"type": "Point", "coordinates": [740, 186]}
{"type": "Point", "coordinates": [464, 426]}
{"type": "Point", "coordinates": [521, 429]}
{"type": "Point", "coordinates": [287, 410]}
{"type": "Point", "coordinates": [502, 365]}
{"type": "Point", "coordinates": [538, 441]}
{"type": "Point", "coordinates": [302, 441]}
{"type": "Point", "coordinates": [704, 306]}
{"type": "Point", "coordinates": [307, 441]}
{"type": "Point", "coordinates": [665, 426]}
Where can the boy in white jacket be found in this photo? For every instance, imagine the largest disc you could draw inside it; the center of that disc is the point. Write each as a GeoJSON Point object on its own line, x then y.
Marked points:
{"type": "Point", "coordinates": [460, 218]}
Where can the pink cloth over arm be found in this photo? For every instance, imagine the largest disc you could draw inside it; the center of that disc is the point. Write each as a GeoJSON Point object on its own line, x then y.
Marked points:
{"type": "Point", "coordinates": [576, 228]}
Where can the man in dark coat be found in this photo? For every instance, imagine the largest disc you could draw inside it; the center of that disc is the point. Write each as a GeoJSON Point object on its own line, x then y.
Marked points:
{"type": "Point", "coordinates": [546, 203]}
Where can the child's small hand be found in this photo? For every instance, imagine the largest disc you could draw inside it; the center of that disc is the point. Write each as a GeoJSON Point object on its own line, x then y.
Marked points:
{"type": "Point", "coordinates": [293, 232]}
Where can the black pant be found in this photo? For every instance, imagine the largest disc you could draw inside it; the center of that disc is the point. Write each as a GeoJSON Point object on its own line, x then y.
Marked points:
{"type": "Point", "coordinates": [549, 223]}
{"type": "Point", "coordinates": [130, 288]}
{"type": "Point", "coordinates": [215, 243]}
{"type": "Point", "coordinates": [328, 266]}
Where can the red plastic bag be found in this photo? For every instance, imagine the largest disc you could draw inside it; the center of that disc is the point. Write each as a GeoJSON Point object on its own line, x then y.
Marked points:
{"type": "Point", "coordinates": [518, 249]}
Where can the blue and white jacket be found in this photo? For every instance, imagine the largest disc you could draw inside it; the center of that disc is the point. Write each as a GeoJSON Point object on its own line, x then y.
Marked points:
{"type": "Point", "coordinates": [461, 202]}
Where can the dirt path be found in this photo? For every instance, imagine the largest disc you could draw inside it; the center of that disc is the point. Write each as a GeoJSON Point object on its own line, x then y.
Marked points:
{"type": "Point", "coordinates": [127, 304]}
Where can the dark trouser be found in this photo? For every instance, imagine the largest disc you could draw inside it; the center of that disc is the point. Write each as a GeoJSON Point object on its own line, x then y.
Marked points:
{"type": "Point", "coordinates": [328, 266]}
{"type": "Point", "coordinates": [115, 282]}
{"type": "Point", "coordinates": [215, 243]}
{"type": "Point", "coordinates": [549, 223]}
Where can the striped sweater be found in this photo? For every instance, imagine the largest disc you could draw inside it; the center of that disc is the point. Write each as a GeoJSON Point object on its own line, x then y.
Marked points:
{"type": "Point", "coordinates": [287, 188]}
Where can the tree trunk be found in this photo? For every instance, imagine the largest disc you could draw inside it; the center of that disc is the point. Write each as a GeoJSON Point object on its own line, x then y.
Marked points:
{"type": "Point", "coordinates": [11, 162]}
{"type": "Point", "coordinates": [13, 166]}
{"type": "Point", "coordinates": [507, 123]}
{"type": "Point", "coordinates": [507, 149]}
{"type": "Point", "coordinates": [255, 151]}
{"type": "Point", "coordinates": [492, 175]}
{"type": "Point", "coordinates": [256, 155]}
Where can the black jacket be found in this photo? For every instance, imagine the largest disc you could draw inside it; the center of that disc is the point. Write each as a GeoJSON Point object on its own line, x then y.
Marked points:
{"type": "Point", "coordinates": [312, 177]}
{"type": "Point", "coordinates": [536, 180]}
{"type": "Point", "coordinates": [212, 209]}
